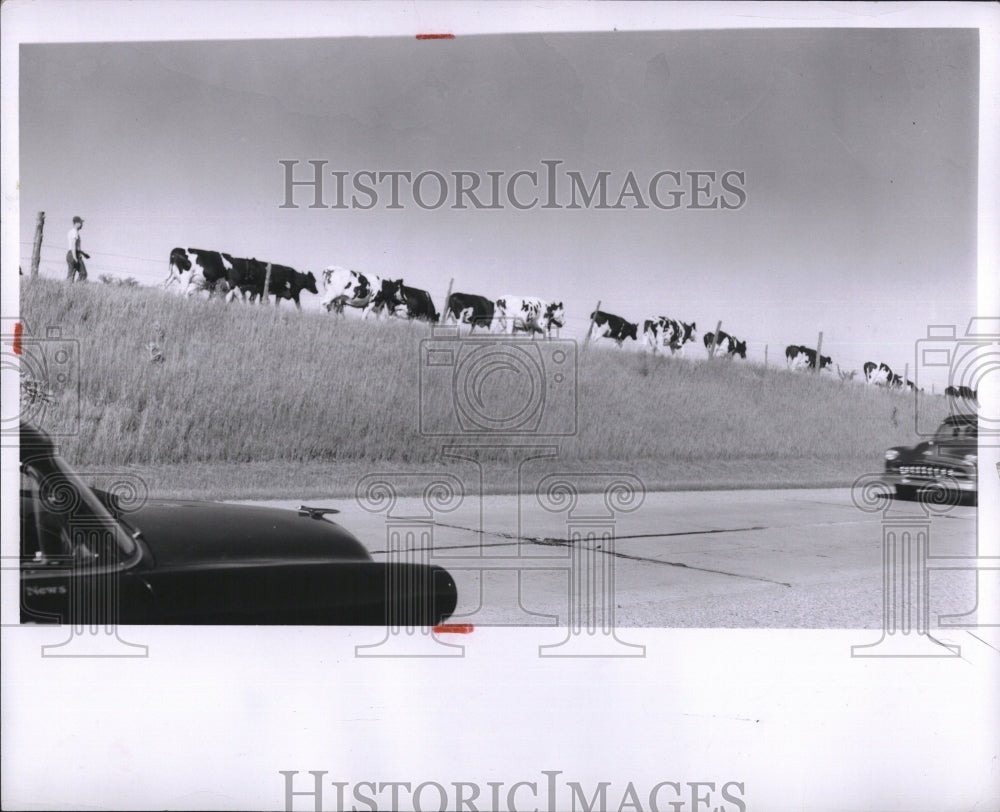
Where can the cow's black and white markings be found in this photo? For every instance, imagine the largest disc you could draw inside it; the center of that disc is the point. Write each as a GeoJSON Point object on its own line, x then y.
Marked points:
{"type": "Point", "coordinates": [468, 308]}
{"type": "Point", "coordinates": [663, 332]}
{"type": "Point", "coordinates": [180, 264]}
{"type": "Point", "coordinates": [725, 344]}
{"type": "Point", "coordinates": [527, 314]}
{"type": "Point", "coordinates": [288, 283]}
{"type": "Point", "coordinates": [343, 287]}
{"type": "Point", "coordinates": [245, 278]}
{"type": "Point", "coordinates": [613, 327]}
{"type": "Point", "coordinates": [878, 374]}
{"type": "Point", "coordinates": [963, 392]}
{"type": "Point", "coordinates": [198, 269]}
{"type": "Point", "coordinates": [799, 357]}
{"type": "Point", "coordinates": [389, 297]}
{"type": "Point", "coordinates": [419, 304]}
{"type": "Point", "coordinates": [881, 374]}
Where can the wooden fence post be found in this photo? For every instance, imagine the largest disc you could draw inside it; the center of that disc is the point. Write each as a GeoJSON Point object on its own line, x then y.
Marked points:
{"type": "Point", "coordinates": [36, 252]}
{"type": "Point", "coordinates": [445, 312]}
{"type": "Point", "coordinates": [906, 374]}
{"type": "Point", "coordinates": [267, 284]}
{"type": "Point", "coordinates": [765, 356]}
{"type": "Point", "coordinates": [715, 340]}
{"type": "Point", "coordinates": [590, 327]}
{"type": "Point", "coordinates": [819, 349]}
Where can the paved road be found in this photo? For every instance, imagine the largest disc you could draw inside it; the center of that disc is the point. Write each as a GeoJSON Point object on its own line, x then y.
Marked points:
{"type": "Point", "coordinates": [723, 559]}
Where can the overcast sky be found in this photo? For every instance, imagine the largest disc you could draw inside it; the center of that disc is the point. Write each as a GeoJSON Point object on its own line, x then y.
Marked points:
{"type": "Point", "coordinates": [858, 148]}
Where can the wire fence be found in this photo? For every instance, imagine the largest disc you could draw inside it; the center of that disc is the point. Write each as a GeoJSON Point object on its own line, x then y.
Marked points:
{"type": "Point", "coordinates": [848, 357]}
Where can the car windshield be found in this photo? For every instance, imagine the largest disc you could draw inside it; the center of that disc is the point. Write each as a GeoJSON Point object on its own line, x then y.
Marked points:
{"type": "Point", "coordinates": [956, 431]}
{"type": "Point", "coordinates": [62, 518]}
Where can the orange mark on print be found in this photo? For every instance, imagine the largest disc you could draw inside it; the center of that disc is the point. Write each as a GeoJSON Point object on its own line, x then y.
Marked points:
{"type": "Point", "coordinates": [17, 337]}
{"type": "Point", "coordinates": [454, 628]}
{"type": "Point", "coordinates": [435, 36]}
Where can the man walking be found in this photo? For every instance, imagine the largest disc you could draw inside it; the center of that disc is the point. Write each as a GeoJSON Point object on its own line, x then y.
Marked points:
{"type": "Point", "coordinates": [74, 256]}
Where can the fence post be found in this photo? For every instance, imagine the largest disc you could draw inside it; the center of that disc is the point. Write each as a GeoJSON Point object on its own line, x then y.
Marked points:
{"type": "Point", "coordinates": [819, 349]}
{"type": "Point", "coordinates": [445, 312]}
{"type": "Point", "coordinates": [36, 252]}
{"type": "Point", "coordinates": [906, 374]}
{"type": "Point", "coordinates": [267, 284]}
{"type": "Point", "coordinates": [715, 340]}
{"type": "Point", "coordinates": [765, 356]}
{"type": "Point", "coordinates": [590, 327]}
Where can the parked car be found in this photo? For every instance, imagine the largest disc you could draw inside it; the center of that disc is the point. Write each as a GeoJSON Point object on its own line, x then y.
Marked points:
{"type": "Point", "coordinates": [84, 559]}
{"type": "Point", "coordinates": [947, 460]}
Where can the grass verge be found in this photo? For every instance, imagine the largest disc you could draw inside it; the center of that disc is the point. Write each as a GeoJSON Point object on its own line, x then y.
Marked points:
{"type": "Point", "coordinates": [258, 402]}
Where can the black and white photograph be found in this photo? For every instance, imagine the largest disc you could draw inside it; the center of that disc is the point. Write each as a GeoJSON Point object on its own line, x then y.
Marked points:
{"type": "Point", "coordinates": [498, 406]}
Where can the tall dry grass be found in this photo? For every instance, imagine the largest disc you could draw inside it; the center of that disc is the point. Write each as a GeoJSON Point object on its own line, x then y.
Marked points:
{"type": "Point", "coordinates": [242, 383]}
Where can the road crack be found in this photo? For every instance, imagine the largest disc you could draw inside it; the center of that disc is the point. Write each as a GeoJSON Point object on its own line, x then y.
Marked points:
{"type": "Point", "coordinates": [512, 538]}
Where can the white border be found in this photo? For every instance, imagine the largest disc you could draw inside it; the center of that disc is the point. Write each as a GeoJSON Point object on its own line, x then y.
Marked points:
{"type": "Point", "coordinates": [788, 713]}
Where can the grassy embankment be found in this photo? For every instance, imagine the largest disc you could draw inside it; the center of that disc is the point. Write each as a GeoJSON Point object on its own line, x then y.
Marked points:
{"type": "Point", "coordinates": [250, 402]}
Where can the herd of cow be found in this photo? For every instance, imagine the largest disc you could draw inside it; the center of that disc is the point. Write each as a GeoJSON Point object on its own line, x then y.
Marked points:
{"type": "Point", "coordinates": [219, 273]}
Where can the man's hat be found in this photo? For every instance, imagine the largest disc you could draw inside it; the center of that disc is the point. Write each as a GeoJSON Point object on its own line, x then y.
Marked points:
{"type": "Point", "coordinates": [78, 220]}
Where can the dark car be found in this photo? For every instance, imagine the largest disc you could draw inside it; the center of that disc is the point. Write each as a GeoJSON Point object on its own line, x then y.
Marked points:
{"type": "Point", "coordinates": [84, 559]}
{"type": "Point", "coordinates": [947, 460]}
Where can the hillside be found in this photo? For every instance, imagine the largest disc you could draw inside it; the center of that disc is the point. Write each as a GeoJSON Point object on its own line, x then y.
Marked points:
{"type": "Point", "coordinates": [250, 389]}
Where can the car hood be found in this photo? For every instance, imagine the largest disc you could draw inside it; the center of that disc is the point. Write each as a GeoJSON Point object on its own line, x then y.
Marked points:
{"type": "Point", "coordinates": [184, 533]}
{"type": "Point", "coordinates": [930, 450]}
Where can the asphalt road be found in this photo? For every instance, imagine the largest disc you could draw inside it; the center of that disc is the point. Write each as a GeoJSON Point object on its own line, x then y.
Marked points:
{"type": "Point", "coordinates": [781, 559]}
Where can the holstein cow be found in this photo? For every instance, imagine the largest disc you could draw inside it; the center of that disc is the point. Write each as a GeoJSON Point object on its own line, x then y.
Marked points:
{"type": "Point", "coordinates": [419, 304]}
{"type": "Point", "coordinates": [614, 327]}
{"type": "Point", "coordinates": [343, 287]}
{"type": "Point", "coordinates": [878, 374]}
{"type": "Point", "coordinates": [898, 382]}
{"type": "Point", "coordinates": [663, 332]}
{"type": "Point", "coordinates": [799, 357]}
{"type": "Point", "coordinates": [964, 392]}
{"type": "Point", "coordinates": [204, 269]}
{"type": "Point", "coordinates": [245, 278]}
{"type": "Point", "coordinates": [467, 308]}
{"type": "Point", "coordinates": [288, 283]}
{"type": "Point", "coordinates": [528, 314]}
{"type": "Point", "coordinates": [726, 343]}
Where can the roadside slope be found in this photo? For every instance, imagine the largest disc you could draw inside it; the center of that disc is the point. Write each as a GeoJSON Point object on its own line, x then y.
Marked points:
{"type": "Point", "coordinates": [261, 390]}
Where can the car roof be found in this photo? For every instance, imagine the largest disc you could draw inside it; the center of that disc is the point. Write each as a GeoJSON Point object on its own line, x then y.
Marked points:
{"type": "Point", "coordinates": [957, 419]}
{"type": "Point", "coordinates": [35, 442]}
